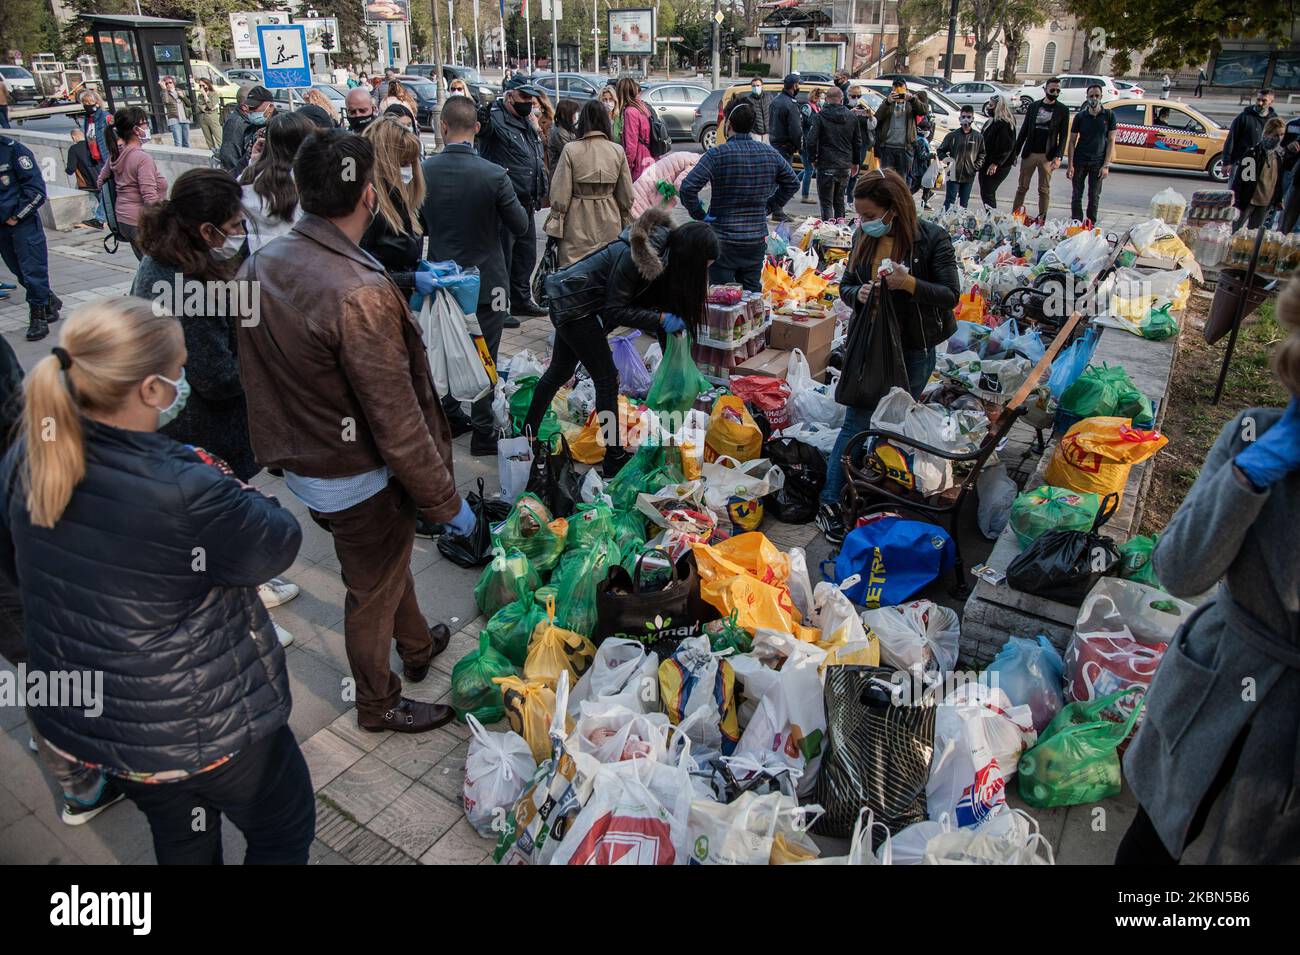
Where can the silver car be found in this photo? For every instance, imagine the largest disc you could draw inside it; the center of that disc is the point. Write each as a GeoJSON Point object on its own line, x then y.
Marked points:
{"type": "Point", "coordinates": [978, 93]}
{"type": "Point", "coordinates": [676, 104]}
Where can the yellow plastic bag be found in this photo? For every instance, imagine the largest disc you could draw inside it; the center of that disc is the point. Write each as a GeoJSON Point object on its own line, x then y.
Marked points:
{"type": "Point", "coordinates": [970, 306]}
{"type": "Point", "coordinates": [751, 554]}
{"type": "Point", "coordinates": [585, 447]}
{"type": "Point", "coordinates": [1095, 455]}
{"type": "Point", "coordinates": [554, 649]}
{"type": "Point", "coordinates": [852, 653]}
{"type": "Point", "coordinates": [776, 280]}
{"type": "Point", "coordinates": [809, 286]}
{"type": "Point", "coordinates": [529, 709]}
{"type": "Point", "coordinates": [732, 432]}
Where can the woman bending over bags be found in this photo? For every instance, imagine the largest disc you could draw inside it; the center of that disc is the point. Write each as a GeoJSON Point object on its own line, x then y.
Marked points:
{"type": "Point", "coordinates": [652, 277]}
{"type": "Point", "coordinates": [898, 319]}
{"type": "Point", "coordinates": [1222, 721]}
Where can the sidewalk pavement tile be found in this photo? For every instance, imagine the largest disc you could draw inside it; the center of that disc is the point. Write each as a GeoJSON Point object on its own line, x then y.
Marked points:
{"type": "Point", "coordinates": [415, 820]}
{"type": "Point", "coordinates": [11, 810]}
{"type": "Point", "coordinates": [461, 845]}
{"type": "Point", "coordinates": [414, 754]}
{"type": "Point", "coordinates": [317, 688]}
{"type": "Point", "coordinates": [328, 756]}
{"type": "Point", "coordinates": [366, 787]}
{"type": "Point", "coordinates": [346, 728]}
{"type": "Point", "coordinates": [447, 776]}
{"type": "Point", "coordinates": [28, 842]}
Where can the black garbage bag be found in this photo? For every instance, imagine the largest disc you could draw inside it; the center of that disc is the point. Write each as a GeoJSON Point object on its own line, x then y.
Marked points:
{"type": "Point", "coordinates": [554, 480]}
{"type": "Point", "coordinates": [1063, 565]}
{"type": "Point", "coordinates": [805, 476]}
{"type": "Point", "coordinates": [873, 355]}
{"type": "Point", "coordinates": [877, 753]}
{"type": "Point", "coordinates": [475, 549]}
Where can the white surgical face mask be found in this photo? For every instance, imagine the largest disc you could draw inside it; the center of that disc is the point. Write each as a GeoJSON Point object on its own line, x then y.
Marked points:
{"type": "Point", "coordinates": [231, 246]}
{"type": "Point", "coordinates": [408, 174]}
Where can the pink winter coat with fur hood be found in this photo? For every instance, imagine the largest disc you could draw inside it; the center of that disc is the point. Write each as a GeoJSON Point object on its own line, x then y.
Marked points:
{"type": "Point", "coordinates": [671, 168]}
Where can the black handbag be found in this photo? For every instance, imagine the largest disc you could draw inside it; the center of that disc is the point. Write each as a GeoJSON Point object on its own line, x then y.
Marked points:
{"type": "Point", "coordinates": [873, 355]}
{"type": "Point", "coordinates": [805, 476]}
{"type": "Point", "coordinates": [1064, 565]}
{"type": "Point", "coordinates": [475, 549]}
{"type": "Point", "coordinates": [550, 261]}
{"type": "Point", "coordinates": [554, 480]}
{"type": "Point", "coordinates": [877, 753]}
{"type": "Point", "coordinates": [657, 619]}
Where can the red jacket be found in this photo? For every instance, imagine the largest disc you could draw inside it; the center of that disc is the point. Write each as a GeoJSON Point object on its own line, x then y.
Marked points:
{"type": "Point", "coordinates": [636, 138]}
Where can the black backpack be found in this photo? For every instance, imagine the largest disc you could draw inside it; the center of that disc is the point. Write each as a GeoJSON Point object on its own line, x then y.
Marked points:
{"type": "Point", "coordinates": [660, 141]}
{"type": "Point", "coordinates": [805, 476]}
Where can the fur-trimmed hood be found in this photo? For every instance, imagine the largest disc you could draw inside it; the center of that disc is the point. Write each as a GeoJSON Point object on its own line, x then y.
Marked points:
{"type": "Point", "coordinates": [648, 239]}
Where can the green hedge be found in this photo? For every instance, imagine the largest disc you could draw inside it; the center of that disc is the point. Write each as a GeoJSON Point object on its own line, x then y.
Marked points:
{"type": "Point", "coordinates": [754, 69]}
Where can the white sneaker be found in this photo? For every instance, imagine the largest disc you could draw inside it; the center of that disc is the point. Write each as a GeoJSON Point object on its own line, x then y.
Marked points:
{"type": "Point", "coordinates": [276, 591]}
{"type": "Point", "coordinates": [281, 634]}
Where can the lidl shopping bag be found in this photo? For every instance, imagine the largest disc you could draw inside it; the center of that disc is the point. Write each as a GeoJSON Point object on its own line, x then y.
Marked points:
{"type": "Point", "coordinates": [916, 470]}
{"type": "Point", "coordinates": [695, 678]}
{"type": "Point", "coordinates": [1097, 453]}
{"type": "Point", "coordinates": [895, 558]}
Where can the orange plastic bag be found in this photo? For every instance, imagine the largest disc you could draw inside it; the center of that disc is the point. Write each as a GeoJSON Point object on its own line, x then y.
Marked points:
{"type": "Point", "coordinates": [776, 280]}
{"type": "Point", "coordinates": [585, 447]}
{"type": "Point", "coordinates": [554, 649]}
{"type": "Point", "coordinates": [970, 307]}
{"type": "Point", "coordinates": [808, 286]}
{"type": "Point", "coordinates": [751, 554]}
{"type": "Point", "coordinates": [747, 574]}
{"type": "Point", "coordinates": [1096, 454]}
{"type": "Point", "coordinates": [732, 432]}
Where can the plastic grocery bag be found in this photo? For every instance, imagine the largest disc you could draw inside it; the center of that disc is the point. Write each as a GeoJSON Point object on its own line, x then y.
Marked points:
{"type": "Point", "coordinates": [527, 528]}
{"type": "Point", "coordinates": [841, 628]}
{"type": "Point", "coordinates": [514, 463]}
{"type": "Point", "coordinates": [810, 403]}
{"type": "Point", "coordinates": [497, 768]}
{"type": "Point", "coordinates": [695, 678]}
{"type": "Point", "coordinates": [473, 690]}
{"type": "Point", "coordinates": [997, 495]}
{"type": "Point", "coordinates": [650, 468]}
{"type": "Point", "coordinates": [1064, 565]}
{"type": "Point", "coordinates": [1009, 838]}
{"type": "Point", "coordinates": [895, 558]}
{"type": "Point", "coordinates": [1075, 760]}
{"type": "Point", "coordinates": [1009, 729]}
{"type": "Point", "coordinates": [732, 432]}
{"type": "Point", "coordinates": [800, 584]}
{"type": "Point", "coordinates": [1097, 453]}
{"type": "Point", "coordinates": [920, 636]}
{"type": "Point", "coordinates": [726, 479]}
{"type": "Point", "coordinates": [503, 580]}
{"type": "Point", "coordinates": [529, 707]}
{"type": "Point", "coordinates": [454, 360]}
{"type": "Point", "coordinates": [726, 633]}
{"type": "Point", "coordinates": [742, 832]}
{"type": "Point", "coordinates": [633, 379]}
{"type": "Point", "coordinates": [576, 581]}
{"type": "Point", "coordinates": [556, 794]}
{"type": "Point", "coordinates": [1048, 508]}
{"type": "Point", "coordinates": [622, 672]}
{"type": "Point", "coordinates": [1105, 391]}
{"type": "Point", "coordinates": [611, 733]}
{"type": "Point", "coordinates": [555, 650]}
{"type": "Point", "coordinates": [1135, 561]}
{"type": "Point", "coordinates": [1031, 674]}
{"type": "Point", "coordinates": [677, 382]}
{"type": "Point", "coordinates": [511, 628]}
{"type": "Point", "coordinates": [970, 336]}
{"type": "Point", "coordinates": [1071, 361]}
{"type": "Point", "coordinates": [788, 725]}
{"type": "Point", "coordinates": [768, 397]}
{"type": "Point", "coordinates": [926, 473]}
{"type": "Point", "coordinates": [1167, 205]}
{"type": "Point", "coordinates": [966, 782]}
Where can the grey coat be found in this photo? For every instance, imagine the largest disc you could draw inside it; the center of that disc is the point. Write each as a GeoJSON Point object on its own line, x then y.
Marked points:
{"type": "Point", "coordinates": [1234, 665]}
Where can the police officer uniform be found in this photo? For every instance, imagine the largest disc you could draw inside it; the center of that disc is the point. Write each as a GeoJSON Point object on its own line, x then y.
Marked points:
{"type": "Point", "coordinates": [22, 239]}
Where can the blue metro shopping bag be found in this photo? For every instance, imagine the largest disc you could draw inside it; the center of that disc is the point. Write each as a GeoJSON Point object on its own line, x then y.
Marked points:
{"type": "Point", "coordinates": [895, 559]}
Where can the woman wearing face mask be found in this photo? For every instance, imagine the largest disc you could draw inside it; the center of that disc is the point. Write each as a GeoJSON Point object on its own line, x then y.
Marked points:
{"type": "Point", "coordinates": [905, 313]}
{"type": "Point", "coordinates": [999, 146]}
{"type": "Point", "coordinates": [563, 131]}
{"type": "Point", "coordinates": [457, 87]}
{"type": "Point", "coordinates": [136, 181]}
{"type": "Point", "coordinates": [395, 236]}
{"type": "Point", "coordinates": [400, 113]}
{"type": "Point", "coordinates": [94, 122]}
{"type": "Point", "coordinates": [270, 196]}
{"type": "Point", "coordinates": [609, 99]}
{"type": "Point", "coordinates": [636, 126]}
{"type": "Point", "coordinates": [194, 708]}
{"type": "Point", "coordinates": [209, 114]}
{"type": "Point", "coordinates": [1257, 179]}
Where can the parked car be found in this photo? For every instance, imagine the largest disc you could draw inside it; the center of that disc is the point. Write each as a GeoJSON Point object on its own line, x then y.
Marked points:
{"type": "Point", "coordinates": [676, 104]}
{"type": "Point", "coordinates": [426, 97]}
{"type": "Point", "coordinates": [480, 89]}
{"type": "Point", "coordinates": [1165, 134]}
{"type": "Point", "coordinates": [22, 85]}
{"type": "Point", "coordinates": [704, 129]}
{"type": "Point", "coordinates": [241, 76]}
{"type": "Point", "coordinates": [929, 82]}
{"type": "Point", "coordinates": [1074, 90]}
{"type": "Point", "coordinates": [1128, 89]}
{"type": "Point", "coordinates": [226, 88]}
{"type": "Point", "coordinates": [337, 95]}
{"type": "Point", "coordinates": [972, 93]}
{"type": "Point", "coordinates": [943, 111]}
{"type": "Point", "coordinates": [575, 86]}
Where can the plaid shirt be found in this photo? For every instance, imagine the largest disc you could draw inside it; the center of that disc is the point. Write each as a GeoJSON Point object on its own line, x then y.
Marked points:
{"type": "Point", "coordinates": [750, 181]}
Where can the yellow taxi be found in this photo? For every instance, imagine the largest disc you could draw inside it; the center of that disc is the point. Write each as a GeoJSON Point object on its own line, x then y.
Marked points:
{"type": "Point", "coordinates": [1166, 134]}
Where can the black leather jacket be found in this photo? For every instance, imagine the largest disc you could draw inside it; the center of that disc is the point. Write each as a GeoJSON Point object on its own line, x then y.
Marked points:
{"type": "Point", "coordinates": [511, 142]}
{"type": "Point", "coordinates": [925, 317]}
{"type": "Point", "coordinates": [398, 252]}
{"type": "Point", "coordinates": [611, 282]}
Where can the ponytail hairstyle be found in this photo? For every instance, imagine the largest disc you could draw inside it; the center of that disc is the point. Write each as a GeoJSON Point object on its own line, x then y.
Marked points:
{"type": "Point", "coordinates": [272, 177]}
{"type": "Point", "coordinates": [121, 131]}
{"type": "Point", "coordinates": [105, 350]}
{"type": "Point", "coordinates": [169, 230]}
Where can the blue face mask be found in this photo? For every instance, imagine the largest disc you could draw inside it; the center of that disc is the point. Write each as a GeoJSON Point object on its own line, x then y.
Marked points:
{"type": "Point", "coordinates": [874, 227]}
{"type": "Point", "coordinates": [182, 386]}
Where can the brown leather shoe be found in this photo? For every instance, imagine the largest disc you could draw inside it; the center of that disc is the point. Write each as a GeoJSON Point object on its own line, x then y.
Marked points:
{"type": "Point", "coordinates": [440, 637]}
{"type": "Point", "coordinates": [411, 716]}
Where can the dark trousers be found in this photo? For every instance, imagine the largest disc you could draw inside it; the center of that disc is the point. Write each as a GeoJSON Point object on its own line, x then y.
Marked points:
{"type": "Point", "coordinates": [897, 158]}
{"type": "Point", "coordinates": [266, 791]}
{"type": "Point", "coordinates": [989, 185]}
{"type": "Point", "coordinates": [128, 232]}
{"type": "Point", "coordinates": [740, 262]}
{"type": "Point", "coordinates": [1252, 217]}
{"type": "Point", "coordinates": [1089, 172]}
{"type": "Point", "coordinates": [1141, 844]}
{"type": "Point", "coordinates": [1199, 85]}
{"type": "Point", "coordinates": [958, 192]}
{"type": "Point", "coordinates": [1291, 205]}
{"type": "Point", "coordinates": [580, 341]}
{"type": "Point", "coordinates": [4, 117]}
{"type": "Point", "coordinates": [831, 185]}
{"type": "Point", "coordinates": [521, 254]}
{"type": "Point", "coordinates": [490, 323]}
{"type": "Point", "coordinates": [373, 542]}
{"type": "Point", "coordinates": [22, 247]}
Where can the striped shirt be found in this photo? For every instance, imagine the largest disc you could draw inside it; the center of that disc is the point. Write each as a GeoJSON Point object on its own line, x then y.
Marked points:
{"type": "Point", "coordinates": [750, 181]}
{"type": "Point", "coordinates": [331, 495]}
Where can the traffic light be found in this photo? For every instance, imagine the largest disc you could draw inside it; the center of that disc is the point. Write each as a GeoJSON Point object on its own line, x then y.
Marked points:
{"type": "Point", "coordinates": [327, 41]}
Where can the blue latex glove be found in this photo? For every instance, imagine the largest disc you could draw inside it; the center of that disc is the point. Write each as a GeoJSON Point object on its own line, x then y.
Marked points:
{"type": "Point", "coordinates": [1277, 451]}
{"type": "Point", "coordinates": [463, 523]}
{"type": "Point", "coordinates": [673, 323]}
{"type": "Point", "coordinates": [424, 282]}
{"type": "Point", "coordinates": [709, 218]}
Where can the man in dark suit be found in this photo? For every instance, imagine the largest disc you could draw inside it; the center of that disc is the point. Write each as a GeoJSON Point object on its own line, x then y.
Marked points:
{"type": "Point", "coordinates": [468, 202]}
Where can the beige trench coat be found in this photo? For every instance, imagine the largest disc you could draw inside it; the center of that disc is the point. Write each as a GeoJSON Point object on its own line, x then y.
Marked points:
{"type": "Point", "coordinates": [591, 197]}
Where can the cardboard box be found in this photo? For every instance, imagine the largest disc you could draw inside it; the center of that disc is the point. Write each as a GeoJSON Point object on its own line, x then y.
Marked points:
{"type": "Point", "coordinates": [775, 362]}
{"type": "Point", "coordinates": [788, 334]}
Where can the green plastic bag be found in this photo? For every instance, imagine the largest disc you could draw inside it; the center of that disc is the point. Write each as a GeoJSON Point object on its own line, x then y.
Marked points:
{"type": "Point", "coordinates": [651, 468]}
{"type": "Point", "coordinates": [525, 529]}
{"type": "Point", "coordinates": [1158, 323]}
{"type": "Point", "coordinates": [472, 689]}
{"type": "Point", "coordinates": [1135, 560]}
{"type": "Point", "coordinates": [576, 581]}
{"type": "Point", "coordinates": [511, 627]}
{"type": "Point", "coordinates": [1075, 760]}
{"type": "Point", "coordinates": [1106, 392]}
{"type": "Point", "coordinates": [727, 634]}
{"type": "Point", "coordinates": [503, 579]}
{"type": "Point", "coordinates": [629, 531]}
{"type": "Point", "coordinates": [589, 523]}
{"type": "Point", "coordinates": [519, 404]}
{"type": "Point", "coordinates": [1048, 508]}
{"type": "Point", "coordinates": [677, 382]}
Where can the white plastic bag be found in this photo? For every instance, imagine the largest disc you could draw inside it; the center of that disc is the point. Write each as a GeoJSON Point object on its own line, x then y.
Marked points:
{"type": "Point", "coordinates": [919, 635]}
{"type": "Point", "coordinates": [726, 478]}
{"type": "Point", "coordinates": [736, 833]}
{"type": "Point", "coordinates": [908, 845]}
{"type": "Point", "coordinates": [611, 733]}
{"type": "Point", "coordinates": [1010, 838]}
{"type": "Point", "coordinates": [818, 436]}
{"type": "Point", "coordinates": [623, 672]}
{"type": "Point", "coordinates": [931, 174]}
{"type": "Point", "coordinates": [501, 406]}
{"type": "Point", "coordinates": [789, 723]}
{"type": "Point", "coordinates": [810, 403]}
{"type": "Point", "coordinates": [966, 782]}
{"type": "Point", "coordinates": [497, 768]}
{"type": "Point", "coordinates": [522, 364]}
{"type": "Point", "coordinates": [593, 487]}
{"type": "Point", "coordinates": [899, 412]}
{"type": "Point", "coordinates": [627, 821]}
{"type": "Point", "coordinates": [860, 844]}
{"type": "Point", "coordinates": [514, 462]}
{"type": "Point", "coordinates": [1118, 606]}
{"type": "Point", "coordinates": [801, 260]}
{"type": "Point", "coordinates": [835, 615]}
{"type": "Point", "coordinates": [800, 584]}
{"type": "Point", "coordinates": [454, 361]}
{"type": "Point", "coordinates": [1009, 729]}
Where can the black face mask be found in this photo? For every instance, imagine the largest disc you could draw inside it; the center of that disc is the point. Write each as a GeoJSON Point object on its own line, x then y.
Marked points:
{"type": "Point", "coordinates": [359, 123]}
{"type": "Point", "coordinates": [89, 108]}
{"type": "Point", "coordinates": [522, 109]}
{"type": "Point", "coordinates": [1051, 97]}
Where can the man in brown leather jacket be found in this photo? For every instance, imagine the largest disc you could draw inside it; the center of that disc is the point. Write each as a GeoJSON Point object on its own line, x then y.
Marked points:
{"type": "Point", "coordinates": [341, 398]}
